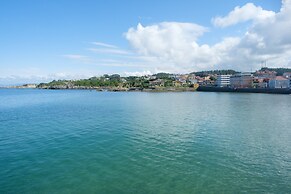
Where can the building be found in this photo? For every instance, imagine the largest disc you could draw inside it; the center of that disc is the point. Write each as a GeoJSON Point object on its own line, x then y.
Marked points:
{"type": "Point", "coordinates": [260, 83]}
{"type": "Point", "coordinates": [266, 74]}
{"type": "Point", "coordinates": [279, 82]}
{"type": "Point", "coordinates": [157, 82]}
{"type": "Point", "coordinates": [192, 81]}
{"type": "Point", "coordinates": [223, 80]}
{"type": "Point", "coordinates": [241, 80]}
{"type": "Point", "coordinates": [287, 75]}
{"type": "Point", "coordinates": [177, 83]}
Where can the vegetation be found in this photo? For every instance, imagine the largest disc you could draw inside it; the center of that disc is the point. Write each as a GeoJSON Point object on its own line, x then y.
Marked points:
{"type": "Point", "coordinates": [116, 81]}
{"type": "Point", "coordinates": [215, 72]}
{"type": "Point", "coordinates": [159, 80]}
{"type": "Point", "coordinates": [163, 75]}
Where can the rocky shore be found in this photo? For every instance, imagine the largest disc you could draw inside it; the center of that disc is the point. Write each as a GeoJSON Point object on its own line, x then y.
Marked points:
{"type": "Point", "coordinates": [119, 89]}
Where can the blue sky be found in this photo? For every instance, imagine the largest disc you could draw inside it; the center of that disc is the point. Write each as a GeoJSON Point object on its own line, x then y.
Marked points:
{"type": "Point", "coordinates": [50, 39]}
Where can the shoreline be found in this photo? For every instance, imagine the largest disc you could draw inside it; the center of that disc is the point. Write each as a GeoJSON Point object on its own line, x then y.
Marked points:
{"type": "Point", "coordinates": [172, 89]}
{"type": "Point", "coordinates": [106, 89]}
{"type": "Point", "coordinates": [128, 89]}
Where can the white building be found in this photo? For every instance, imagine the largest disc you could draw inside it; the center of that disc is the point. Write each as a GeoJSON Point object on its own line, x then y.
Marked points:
{"type": "Point", "coordinates": [279, 82]}
{"type": "Point", "coordinates": [223, 80]}
{"type": "Point", "coordinates": [193, 80]}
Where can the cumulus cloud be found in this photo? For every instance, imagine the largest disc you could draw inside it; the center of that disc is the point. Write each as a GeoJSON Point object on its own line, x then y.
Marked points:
{"type": "Point", "coordinates": [172, 46]}
{"type": "Point", "coordinates": [136, 73]}
{"type": "Point", "coordinates": [159, 37]}
{"type": "Point", "coordinates": [168, 43]}
{"type": "Point", "coordinates": [242, 14]}
{"type": "Point", "coordinates": [268, 39]}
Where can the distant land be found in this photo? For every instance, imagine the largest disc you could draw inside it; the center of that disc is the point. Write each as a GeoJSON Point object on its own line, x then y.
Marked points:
{"type": "Point", "coordinates": [262, 78]}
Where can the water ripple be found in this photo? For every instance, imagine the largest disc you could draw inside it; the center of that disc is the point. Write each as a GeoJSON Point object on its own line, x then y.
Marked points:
{"type": "Point", "coordinates": [90, 142]}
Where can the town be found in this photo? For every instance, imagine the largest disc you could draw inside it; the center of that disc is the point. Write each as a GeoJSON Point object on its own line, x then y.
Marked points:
{"type": "Point", "coordinates": [265, 78]}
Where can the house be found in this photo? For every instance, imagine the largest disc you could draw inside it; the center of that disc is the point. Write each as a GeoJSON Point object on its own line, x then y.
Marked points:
{"type": "Point", "coordinates": [177, 83]}
{"type": "Point", "coordinates": [279, 82]}
{"type": "Point", "coordinates": [157, 82]}
{"type": "Point", "coordinates": [182, 80]}
{"type": "Point", "coordinates": [192, 80]}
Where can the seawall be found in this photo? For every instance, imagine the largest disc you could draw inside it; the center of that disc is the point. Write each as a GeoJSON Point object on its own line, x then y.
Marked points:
{"type": "Point", "coordinates": [244, 90]}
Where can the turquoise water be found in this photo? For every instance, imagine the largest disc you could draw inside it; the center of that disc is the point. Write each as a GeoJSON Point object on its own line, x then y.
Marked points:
{"type": "Point", "coordinates": [101, 142]}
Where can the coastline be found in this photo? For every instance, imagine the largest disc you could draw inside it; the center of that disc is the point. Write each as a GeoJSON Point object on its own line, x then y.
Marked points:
{"type": "Point", "coordinates": [116, 89]}
{"type": "Point", "coordinates": [113, 89]}
{"type": "Point", "coordinates": [285, 91]}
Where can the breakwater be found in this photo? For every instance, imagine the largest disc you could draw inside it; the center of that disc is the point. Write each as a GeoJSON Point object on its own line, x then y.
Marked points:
{"type": "Point", "coordinates": [244, 90]}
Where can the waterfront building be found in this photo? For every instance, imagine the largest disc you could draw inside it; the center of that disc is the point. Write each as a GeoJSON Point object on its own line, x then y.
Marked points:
{"type": "Point", "coordinates": [223, 80]}
{"type": "Point", "coordinates": [241, 80]}
{"type": "Point", "coordinates": [260, 83]}
{"type": "Point", "coordinates": [287, 75]}
{"type": "Point", "coordinates": [279, 82]}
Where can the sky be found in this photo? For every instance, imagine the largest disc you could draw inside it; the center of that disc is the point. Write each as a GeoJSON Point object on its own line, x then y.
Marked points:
{"type": "Point", "coordinates": [42, 40]}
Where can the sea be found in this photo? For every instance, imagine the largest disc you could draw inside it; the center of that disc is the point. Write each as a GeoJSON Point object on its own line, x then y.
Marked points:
{"type": "Point", "coordinates": [82, 141]}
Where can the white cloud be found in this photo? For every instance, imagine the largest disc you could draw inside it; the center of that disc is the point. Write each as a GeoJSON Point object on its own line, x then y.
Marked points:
{"type": "Point", "coordinates": [136, 73]}
{"type": "Point", "coordinates": [104, 45]}
{"type": "Point", "coordinates": [72, 56]}
{"type": "Point", "coordinates": [159, 37]}
{"type": "Point", "coordinates": [174, 47]}
{"type": "Point", "coordinates": [242, 14]}
{"type": "Point", "coordinates": [168, 44]}
{"type": "Point", "coordinates": [110, 51]}
{"type": "Point", "coordinates": [268, 40]}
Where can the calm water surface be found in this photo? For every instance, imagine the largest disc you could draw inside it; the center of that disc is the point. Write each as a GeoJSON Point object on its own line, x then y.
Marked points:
{"type": "Point", "coordinates": [102, 142]}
